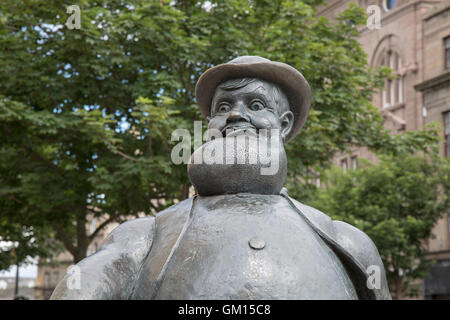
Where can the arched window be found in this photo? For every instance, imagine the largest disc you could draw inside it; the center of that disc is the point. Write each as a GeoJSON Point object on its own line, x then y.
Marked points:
{"type": "Point", "coordinates": [392, 93]}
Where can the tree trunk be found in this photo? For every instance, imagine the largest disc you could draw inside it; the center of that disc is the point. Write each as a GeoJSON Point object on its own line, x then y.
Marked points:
{"type": "Point", "coordinates": [79, 255]}
{"type": "Point", "coordinates": [398, 289]}
{"type": "Point", "coordinates": [82, 239]}
{"type": "Point", "coordinates": [185, 192]}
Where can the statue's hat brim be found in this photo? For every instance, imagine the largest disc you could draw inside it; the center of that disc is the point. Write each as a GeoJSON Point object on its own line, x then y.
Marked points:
{"type": "Point", "coordinates": [286, 77]}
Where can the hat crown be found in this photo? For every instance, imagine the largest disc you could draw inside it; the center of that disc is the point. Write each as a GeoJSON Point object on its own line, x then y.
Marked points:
{"type": "Point", "coordinates": [248, 59]}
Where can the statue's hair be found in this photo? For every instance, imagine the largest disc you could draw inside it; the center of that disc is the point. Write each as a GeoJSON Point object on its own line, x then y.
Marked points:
{"type": "Point", "coordinates": [235, 84]}
{"type": "Point", "coordinates": [278, 95]}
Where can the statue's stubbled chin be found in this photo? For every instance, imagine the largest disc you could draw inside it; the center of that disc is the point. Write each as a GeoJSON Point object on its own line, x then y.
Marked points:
{"type": "Point", "coordinates": [239, 170]}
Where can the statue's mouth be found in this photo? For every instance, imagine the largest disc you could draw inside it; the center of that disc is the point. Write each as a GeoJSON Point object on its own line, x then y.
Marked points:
{"type": "Point", "coordinates": [239, 129]}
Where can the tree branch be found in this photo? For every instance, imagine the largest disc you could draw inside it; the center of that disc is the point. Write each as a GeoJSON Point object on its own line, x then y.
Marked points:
{"type": "Point", "coordinates": [66, 240]}
{"type": "Point", "coordinates": [120, 153]}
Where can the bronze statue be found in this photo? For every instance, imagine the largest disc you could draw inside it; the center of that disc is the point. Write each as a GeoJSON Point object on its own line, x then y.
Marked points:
{"type": "Point", "coordinates": [241, 236]}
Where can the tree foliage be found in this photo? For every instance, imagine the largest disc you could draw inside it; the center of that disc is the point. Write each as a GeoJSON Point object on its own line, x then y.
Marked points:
{"type": "Point", "coordinates": [396, 202]}
{"type": "Point", "coordinates": [86, 114]}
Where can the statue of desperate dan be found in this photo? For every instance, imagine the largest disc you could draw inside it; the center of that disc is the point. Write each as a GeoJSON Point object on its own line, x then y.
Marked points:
{"type": "Point", "coordinates": [241, 236]}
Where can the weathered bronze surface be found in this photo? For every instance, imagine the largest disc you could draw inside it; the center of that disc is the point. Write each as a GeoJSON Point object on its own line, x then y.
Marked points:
{"type": "Point", "coordinates": [241, 236]}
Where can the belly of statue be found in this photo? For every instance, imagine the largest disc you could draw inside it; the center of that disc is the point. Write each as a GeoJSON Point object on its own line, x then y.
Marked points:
{"type": "Point", "coordinates": [247, 247]}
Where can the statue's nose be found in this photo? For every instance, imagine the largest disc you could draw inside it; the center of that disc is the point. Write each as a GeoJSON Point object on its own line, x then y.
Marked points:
{"type": "Point", "coordinates": [238, 114]}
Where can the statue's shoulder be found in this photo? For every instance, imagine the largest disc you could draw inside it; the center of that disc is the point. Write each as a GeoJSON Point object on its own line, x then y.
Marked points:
{"type": "Point", "coordinates": [139, 232]}
{"type": "Point", "coordinates": [357, 243]}
{"type": "Point", "coordinates": [353, 246]}
{"type": "Point", "coordinates": [316, 217]}
{"type": "Point", "coordinates": [136, 232]}
{"type": "Point", "coordinates": [180, 208]}
{"type": "Point", "coordinates": [352, 239]}
{"type": "Point", "coordinates": [110, 273]}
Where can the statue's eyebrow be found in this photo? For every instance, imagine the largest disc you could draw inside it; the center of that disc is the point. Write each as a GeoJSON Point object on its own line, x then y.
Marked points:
{"type": "Point", "coordinates": [259, 95]}
{"type": "Point", "coordinates": [222, 99]}
{"type": "Point", "coordinates": [227, 96]}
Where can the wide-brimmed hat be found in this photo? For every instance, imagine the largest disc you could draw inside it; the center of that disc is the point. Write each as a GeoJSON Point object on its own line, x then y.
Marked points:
{"type": "Point", "coordinates": [286, 77]}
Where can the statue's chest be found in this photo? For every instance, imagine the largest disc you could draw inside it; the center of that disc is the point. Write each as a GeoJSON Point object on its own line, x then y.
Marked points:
{"type": "Point", "coordinates": [245, 247]}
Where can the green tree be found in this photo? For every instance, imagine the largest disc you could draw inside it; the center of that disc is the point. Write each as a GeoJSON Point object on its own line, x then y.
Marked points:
{"type": "Point", "coordinates": [20, 244]}
{"type": "Point", "coordinates": [396, 202]}
{"type": "Point", "coordinates": [86, 114]}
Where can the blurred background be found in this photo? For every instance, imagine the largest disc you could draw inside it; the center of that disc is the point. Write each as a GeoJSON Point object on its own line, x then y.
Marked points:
{"type": "Point", "coordinates": [90, 92]}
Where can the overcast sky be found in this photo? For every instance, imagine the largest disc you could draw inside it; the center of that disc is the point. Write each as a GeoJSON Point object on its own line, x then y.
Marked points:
{"type": "Point", "coordinates": [29, 271]}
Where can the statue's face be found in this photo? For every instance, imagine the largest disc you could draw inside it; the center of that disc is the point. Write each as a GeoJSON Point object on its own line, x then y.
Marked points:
{"type": "Point", "coordinates": [241, 157]}
{"type": "Point", "coordinates": [255, 105]}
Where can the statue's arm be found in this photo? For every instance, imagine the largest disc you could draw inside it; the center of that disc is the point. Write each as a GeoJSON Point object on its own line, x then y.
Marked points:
{"type": "Point", "coordinates": [364, 250]}
{"type": "Point", "coordinates": [111, 272]}
{"type": "Point", "coordinates": [355, 247]}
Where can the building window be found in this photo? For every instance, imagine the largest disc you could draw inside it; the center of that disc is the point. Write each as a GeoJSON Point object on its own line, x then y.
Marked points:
{"type": "Point", "coordinates": [389, 4]}
{"type": "Point", "coordinates": [47, 280]}
{"type": "Point", "coordinates": [447, 133]}
{"type": "Point", "coordinates": [354, 162]}
{"type": "Point", "coordinates": [393, 88]}
{"type": "Point", "coordinates": [344, 164]}
{"type": "Point", "coordinates": [447, 52]}
{"type": "Point", "coordinates": [56, 277]}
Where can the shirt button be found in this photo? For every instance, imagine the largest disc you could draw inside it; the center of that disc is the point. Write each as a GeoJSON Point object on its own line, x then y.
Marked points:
{"type": "Point", "coordinates": [256, 243]}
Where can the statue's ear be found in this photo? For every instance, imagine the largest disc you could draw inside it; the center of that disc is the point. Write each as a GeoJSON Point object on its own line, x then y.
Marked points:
{"type": "Point", "coordinates": [286, 121]}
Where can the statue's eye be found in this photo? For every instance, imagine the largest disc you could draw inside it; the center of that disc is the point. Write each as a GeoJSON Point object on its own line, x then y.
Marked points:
{"type": "Point", "coordinates": [224, 107]}
{"type": "Point", "coordinates": [257, 105]}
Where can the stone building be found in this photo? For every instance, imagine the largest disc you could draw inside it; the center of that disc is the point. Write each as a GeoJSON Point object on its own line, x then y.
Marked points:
{"type": "Point", "coordinates": [435, 89]}
{"type": "Point", "coordinates": [49, 275]}
{"type": "Point", "coordinates": [413, 39]}
{"type": "Point", "coordinates": [25, 290]}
